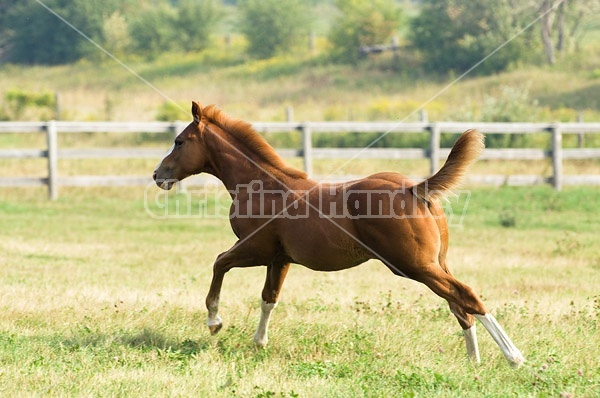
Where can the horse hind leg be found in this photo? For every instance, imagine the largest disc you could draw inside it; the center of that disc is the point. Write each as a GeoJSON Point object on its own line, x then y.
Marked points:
{"type": "Point", "coordinates": [464, 303]}
{"type": "Point", "coordinates": [469, 327]}
{"type": "Point", "coordinates": [466, 320]}
{"type": "Point", "coordinates": [276, 274]}
{"type": "Point", "coordinates": [510, 351]}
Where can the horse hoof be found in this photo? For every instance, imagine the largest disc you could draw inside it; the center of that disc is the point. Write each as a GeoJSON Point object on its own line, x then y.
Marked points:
{"type": "Point", "coordinates": [214, 324]}
{"type": "Point", "coordinates": [260, 343]}
{"type": "Point", "coordinates": [214, 329]}
{"type": "Point", "coordinates": [516, 361]}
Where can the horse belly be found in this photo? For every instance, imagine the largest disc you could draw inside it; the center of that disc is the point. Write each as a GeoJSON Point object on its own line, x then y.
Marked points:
{"type": "Point", "coordinates": [321, 253]}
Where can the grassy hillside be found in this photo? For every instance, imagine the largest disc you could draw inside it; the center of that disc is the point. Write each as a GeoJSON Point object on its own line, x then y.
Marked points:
{"type": "Point", "coordinates": [261, 90]}
{"type": "Point", "coordinates": [317, 90]}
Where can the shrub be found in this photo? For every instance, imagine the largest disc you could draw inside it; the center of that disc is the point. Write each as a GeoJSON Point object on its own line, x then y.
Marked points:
{"type": "Point", "coordinates": [196, 20]}
{"type": "Point", "coordinates": [36, 36]}
{"type": "Point", "coordinates": [170, 111]}
{"type": "Point", "coordinates": [152, 30]}
{"type": "Point", "coordinates": [362, 23]}
{"type": "Point", "coordinates": [273, 26]}
{"type": "Point", "coordinates": [18, 101]}
{"type": "Point", "coordinates": [116, 35]}
{"type": "Point", "coordinates": [454, 35]}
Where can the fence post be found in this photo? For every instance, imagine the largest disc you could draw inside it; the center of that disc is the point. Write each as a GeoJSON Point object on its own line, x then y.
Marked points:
{"type": "Point", "coordinates": [57, 105]}
{"type": "Point", "coordinates": [434, 148]}
{"type": "Point", "coordinates": [557, 156]}
{"type": "Point", "coordinates": [289, 114]}
{"type": "Point", "coordinates": [307, 148]}
{"type": "Point", "coordinates": [52, 159]}
{"type": "Point", "coordinates": [580, 135]}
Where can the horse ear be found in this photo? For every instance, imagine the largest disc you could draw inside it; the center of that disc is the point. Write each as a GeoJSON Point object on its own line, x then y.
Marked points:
{"type": "Point", "coordinates": [196, 111]}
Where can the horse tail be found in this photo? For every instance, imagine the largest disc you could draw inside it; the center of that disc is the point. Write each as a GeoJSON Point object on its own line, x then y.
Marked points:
{"type": "Point", "coordinates": [465, 151]}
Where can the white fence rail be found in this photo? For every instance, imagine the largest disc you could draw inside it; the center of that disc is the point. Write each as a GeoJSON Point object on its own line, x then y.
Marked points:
{"type": "Point", "coordinates": [434, 153]}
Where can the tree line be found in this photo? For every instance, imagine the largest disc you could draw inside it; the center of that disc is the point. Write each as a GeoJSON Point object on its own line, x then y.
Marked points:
{"type": "Point", "coordinates": [443, 35]}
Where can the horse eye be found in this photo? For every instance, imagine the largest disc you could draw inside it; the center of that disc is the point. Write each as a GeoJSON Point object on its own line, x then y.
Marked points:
{"type": "Point", "coordinates": [178, 143]}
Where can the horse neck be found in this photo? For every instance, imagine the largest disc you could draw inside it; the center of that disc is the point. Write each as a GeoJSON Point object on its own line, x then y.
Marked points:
{"type": "Point", "coordinates": [236, 165]}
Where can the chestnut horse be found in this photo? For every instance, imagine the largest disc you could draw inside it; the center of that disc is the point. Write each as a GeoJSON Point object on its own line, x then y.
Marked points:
{"type": "Point", "coordinates": [280, 217]}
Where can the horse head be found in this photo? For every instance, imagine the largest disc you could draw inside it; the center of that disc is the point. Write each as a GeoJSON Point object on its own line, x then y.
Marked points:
{"type": "Point", "coordinates": [187, 156]}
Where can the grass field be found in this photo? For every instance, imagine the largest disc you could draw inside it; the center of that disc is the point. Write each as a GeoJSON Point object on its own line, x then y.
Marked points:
{"type": "Point", "coordinates": [100, 299]}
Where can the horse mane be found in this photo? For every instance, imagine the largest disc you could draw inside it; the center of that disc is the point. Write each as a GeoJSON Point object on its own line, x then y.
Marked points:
{"type": "Point", "coordinates": [244, 132]}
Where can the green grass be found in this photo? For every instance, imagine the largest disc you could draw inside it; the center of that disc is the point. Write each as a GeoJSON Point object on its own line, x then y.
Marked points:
{"type": "Point", "coordinates": [99, 299]}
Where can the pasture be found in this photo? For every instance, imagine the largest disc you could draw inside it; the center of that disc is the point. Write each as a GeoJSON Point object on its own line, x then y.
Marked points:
{"type": "Point", "coordinates": [100, 299]}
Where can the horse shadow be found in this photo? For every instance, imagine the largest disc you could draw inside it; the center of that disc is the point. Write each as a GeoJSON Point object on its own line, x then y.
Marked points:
{"type": "Point", "coordinates": [230, 343]}
{"type": "Point", "coordinates": [143, 340]}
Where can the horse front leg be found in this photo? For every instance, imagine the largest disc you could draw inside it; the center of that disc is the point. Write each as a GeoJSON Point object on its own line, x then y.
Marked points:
{"type": "Point", "coordinates": [276, 274]}
{"type": "Point", "coordinates": [214, 321]}
{"type": "Point", "coordinates": [237, 256]}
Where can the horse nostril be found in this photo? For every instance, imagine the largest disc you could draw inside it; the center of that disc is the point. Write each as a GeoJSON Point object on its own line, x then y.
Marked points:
{"type": "Point", "coordinates": [154, 176]}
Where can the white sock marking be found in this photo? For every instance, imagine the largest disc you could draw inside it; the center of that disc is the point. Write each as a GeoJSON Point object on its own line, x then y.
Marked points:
{"type": "Point", "coordinates": [214, 321]}
{"type": "Point", "coordinates": [510, 351]}
{"type": "Point", "coordinates": [261, 336]}
{"type": "Point", "coordinates": [471, 341]}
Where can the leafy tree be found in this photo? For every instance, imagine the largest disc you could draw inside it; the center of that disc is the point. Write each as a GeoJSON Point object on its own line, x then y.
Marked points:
{"type": "Point", "coordinates": [116, 34]}
{"type": "Point", "coordinates": [31, 34]}
{"type": "Point", "coordinates": [36, 36]}
{"type": "Point", "coordinates": [152, 30]}
{"type": "Point", "coordinates": [273, 26]}
{"type": "Point", "coordinates": [454, 35]}
{"type": "Point", "coordinates": [196, 20]}
{"type": "Point", "coordinates": [362, 23]}
{"type": "Point", "coordinates": [563, 23]}
{"type": "Point", "coordinates": [5, 31]}
{"type": "Point", "coordinates": [163, 27]}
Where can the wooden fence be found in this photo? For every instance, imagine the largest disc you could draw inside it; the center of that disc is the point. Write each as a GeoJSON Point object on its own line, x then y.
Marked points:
{"type": "Point", "coordinates": [434, 153]}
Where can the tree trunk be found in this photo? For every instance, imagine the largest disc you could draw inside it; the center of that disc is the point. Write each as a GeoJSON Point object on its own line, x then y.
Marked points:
{"type": "Point", "coordinates": [560, 43]}
{"type": "Point", "coordinates": [547, 31]}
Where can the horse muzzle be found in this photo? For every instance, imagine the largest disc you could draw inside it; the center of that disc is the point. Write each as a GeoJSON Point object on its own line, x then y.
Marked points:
{"type": "Point", "coordinates": [164, 182]}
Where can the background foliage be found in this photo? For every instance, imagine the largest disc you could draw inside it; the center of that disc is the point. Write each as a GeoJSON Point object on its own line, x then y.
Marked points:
{"type": "Point", "coordinates": [450, 35]}
{"type": "Point", "coordinates": [35, 36]}
{"type": "Point", "coordinates": [273, 26]}
{"type": "Point", "coordinates": [362, 23]}
{"type": "Point", "coordinates": [456, 34]}
{"type": "Point", "coordinates": [199, 50]}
